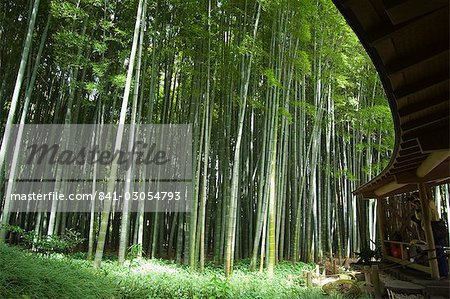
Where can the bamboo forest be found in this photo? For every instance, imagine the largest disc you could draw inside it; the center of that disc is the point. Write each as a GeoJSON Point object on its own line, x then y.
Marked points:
{"type": "Point", "coordinates": [287, 116]}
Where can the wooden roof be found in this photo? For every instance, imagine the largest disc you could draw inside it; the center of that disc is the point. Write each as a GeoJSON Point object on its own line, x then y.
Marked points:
{"type": "Point", "coordinates": [408, 42]}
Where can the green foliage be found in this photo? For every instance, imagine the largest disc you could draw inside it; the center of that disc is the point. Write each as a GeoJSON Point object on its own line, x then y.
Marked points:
{"type": "Point", "coordinates": [97, 3]}
{"type": "Point", "coordinates": [342, 81]}
{"type": "Point", "coordinates": [348, 288]}
{"type": "Point", "coordinates": [302, 63]}
{"type": "Point", "coordinates": [91, 87]}
{"type": "Point", "coordinates": [374, 118]}
{"type": "Point", "coordinates": [272, 79]}
{"type": "Point", "coordinates": [134, 251]}
{"type": "Point", "coordinates": [248, 45]}
{"type": "Point", "coordinates": [66, 9]}
{"type": "Point", "coordinates": [66, 47]}
{"type": "Point", "coordinates": [55, 276]}
{"type": "Point", "coordinates": [285, 113]}
{"type": "Point", "coordinates": [119, 80]}
{"type": "Point", "coordinates": [163, 279]}
{"type": "Point", "coordinates": [13, 228]}
{"type": "Point", "coordinates": [303, 32]}
{"type": "Point", "coordinates": [53, 244]}
{"type": "Point", "coordinates": [106, 25]}
{"type": "Point", "coordinates": [268, 5]}
{"type": "Point", "coordinates": [99, 47]}
{"type": "Point", "coordinates": [26, 275]}
{"type": "Point", "coordinates": [345, 173]}
{"type": "Point", "coordinates": [256, 103]}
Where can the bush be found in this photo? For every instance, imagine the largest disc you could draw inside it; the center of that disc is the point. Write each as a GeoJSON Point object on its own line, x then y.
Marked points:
{"type": "Point", "coordinates": [47, 244]}
{"type": "Point", "coordinates": [53, 244]}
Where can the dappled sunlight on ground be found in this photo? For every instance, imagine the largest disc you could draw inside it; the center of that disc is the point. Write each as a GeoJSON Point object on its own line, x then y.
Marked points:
{"type": "Point", "coordinates": [141, 266]}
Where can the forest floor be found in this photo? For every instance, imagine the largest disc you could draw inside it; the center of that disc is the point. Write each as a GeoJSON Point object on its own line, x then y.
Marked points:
{"type": "Point", "coordinates": [30, 275]}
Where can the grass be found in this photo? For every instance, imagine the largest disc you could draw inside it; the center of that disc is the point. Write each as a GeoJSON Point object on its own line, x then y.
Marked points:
{"type": "Point", "coordinates": [28, 275]}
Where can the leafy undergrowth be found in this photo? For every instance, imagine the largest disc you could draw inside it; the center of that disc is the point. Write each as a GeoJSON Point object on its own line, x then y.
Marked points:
{"type": "Point", "coordinates": [162, 279]}
{"type": "Point", "coordinates": [28, 275]}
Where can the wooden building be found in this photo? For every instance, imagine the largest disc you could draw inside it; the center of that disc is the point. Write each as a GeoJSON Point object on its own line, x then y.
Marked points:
{"type": "Point", "coordinates": [408, 42]}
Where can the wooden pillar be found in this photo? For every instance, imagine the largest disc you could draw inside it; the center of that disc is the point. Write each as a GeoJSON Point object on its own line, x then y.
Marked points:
{"type": "Point", "coordinates": [307, 275]}
{"type": "Point", "coordinates": [425, 202]}
{"type": "Point", "coordinates": [335, 267]}
{"type": "Point", "coordinates": [375, 276]}
{"type": "Point", "coordinates": [380, 218]}
{"type": "Point", "coordinates": [367, 274]}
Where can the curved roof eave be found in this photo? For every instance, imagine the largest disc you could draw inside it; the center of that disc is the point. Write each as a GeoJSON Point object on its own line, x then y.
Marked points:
{"type": "Point", "coordinates": [408, 42]}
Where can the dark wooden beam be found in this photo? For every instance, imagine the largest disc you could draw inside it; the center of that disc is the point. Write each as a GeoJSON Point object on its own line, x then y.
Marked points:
{"type": "Point", "coordinates": [432, 164]}
{"type": "Point", "coordinates": [412, 150]}
{"type": "Point", "coordinates": [438, 139]}
{"type": "Point", "coordinates": [412, 161]}
{"type": "Point", "coordinates": [434, 130]}
{"type": "Point", "coordinates": [405, 189]}
{"type": "Point", "coordinates": [406, 63]}
{"type": "Point", "coordinates": [426, 120]}
{"type": "Point", "coordinates": [410, 157]}
{"type": "Point", "coordinates": [439, 182]}
{"type": "Point", "coordinates": [417, 87]}
{"type": "Point", "coordinates": [410, 167]}
{"type": "Point", "coordinates": [348, 2]}
{"type": "Point", "coordinates": [425, 104]}
{"type": "Point", "coordinates": [407, 144]}
{"type": "Point", "coordinates": [385, 32]}
{"type": "Point", "coordinates": [368, 194]}
{"type": "Point", "coordinates": [402, 11]}
{"type": "Point", "coordinates": [440, 175]}
{"type": "Point", "coordinates": [393, 4]}
{"type": "Point", "coordinates": [409, 177]}
{"type": "Point", "coordinates": [387, 187]}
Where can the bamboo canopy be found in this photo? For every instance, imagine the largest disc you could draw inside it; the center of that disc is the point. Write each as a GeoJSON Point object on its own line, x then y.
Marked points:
{"type": "Point", "coordinates": [408, 42]}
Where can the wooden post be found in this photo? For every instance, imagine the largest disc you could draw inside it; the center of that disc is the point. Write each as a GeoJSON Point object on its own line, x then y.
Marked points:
{"type": "Point", "coordinates": [376, 281]}
{"type": "Point", "coordinates": [367, 274]}
{"type": "Point", "coordinates": [347, 263]}
{"type": "Point", "coordinates": [308, 278]}
{"type": "Point", "coordinates": [335, 266]}
{"type": "Point", "coordinates": [425, 201]}
{"type": "Point", "coordinates": [380, 217]}
{"type": "Point", "coordinates": [448, 264]}
{"type": "Point", "coordinates": [402, 252]}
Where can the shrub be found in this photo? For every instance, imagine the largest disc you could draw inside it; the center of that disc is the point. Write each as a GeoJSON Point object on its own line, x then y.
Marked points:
{"type": "Point", "coordinates": [47, 244]}
{"type": "Point", "coordinates": [53, 244]}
